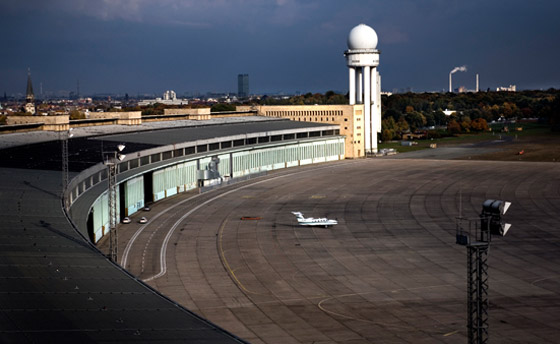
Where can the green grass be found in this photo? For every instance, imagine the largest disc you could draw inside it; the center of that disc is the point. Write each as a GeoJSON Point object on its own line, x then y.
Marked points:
{"type": "Point", "coordinates": [529, 129]}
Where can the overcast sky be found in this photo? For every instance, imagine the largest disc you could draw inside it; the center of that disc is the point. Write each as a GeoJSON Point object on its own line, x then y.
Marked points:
{"type": "Point", "coordinates": [143, 46]}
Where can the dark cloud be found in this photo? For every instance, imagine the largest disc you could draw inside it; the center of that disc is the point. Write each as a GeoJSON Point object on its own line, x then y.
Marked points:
{"type": "Point", "coordinates": [285, 45]}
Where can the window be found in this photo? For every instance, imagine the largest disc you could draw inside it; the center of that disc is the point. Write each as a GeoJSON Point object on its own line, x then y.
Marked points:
{"type": "Point", "coordinates": [201, 148]}
{"type": "Point", "coordinates": [167, 155]}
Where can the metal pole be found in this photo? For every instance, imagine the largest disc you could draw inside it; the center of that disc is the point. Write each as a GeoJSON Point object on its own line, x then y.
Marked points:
{"type": "Point", "coordinates": [112, 195]}
{"type": "Point", "coordinates": [477, 291]}
{"type": "Point", "coordinates": [64, 164]}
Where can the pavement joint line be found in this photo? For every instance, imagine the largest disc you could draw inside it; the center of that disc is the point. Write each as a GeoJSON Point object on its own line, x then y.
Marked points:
{"type": "Point", "coordinates": [225, 262]}
{"type": "Point", "coordinates": [322, 308]}
{"type": "Point", "coordinates": [163, 250]}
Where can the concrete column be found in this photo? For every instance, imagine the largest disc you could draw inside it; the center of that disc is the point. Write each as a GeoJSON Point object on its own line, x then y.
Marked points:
{"type": "Point", "coordinates": [352, 85]}
{"type": "Point", "coordinates": [360, 83]}
{"type": "Point", "coordinates": [375, 114]}
{"type": "Point", "coordinates": [367, 109]}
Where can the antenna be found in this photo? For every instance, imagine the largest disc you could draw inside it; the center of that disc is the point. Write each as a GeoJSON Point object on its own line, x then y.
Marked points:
{"type": "Point", "coordinates": [460, 202]}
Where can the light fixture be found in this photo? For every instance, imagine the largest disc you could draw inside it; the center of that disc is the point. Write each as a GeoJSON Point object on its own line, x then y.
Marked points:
{"type": "Point", "coordinates": [491, 216]}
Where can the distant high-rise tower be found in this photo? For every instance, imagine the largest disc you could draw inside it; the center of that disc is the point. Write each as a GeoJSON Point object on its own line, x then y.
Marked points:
{"type": "Point", "coordinates": [243, 85]}
{"type": "Point", "coordinates": [29, 95]}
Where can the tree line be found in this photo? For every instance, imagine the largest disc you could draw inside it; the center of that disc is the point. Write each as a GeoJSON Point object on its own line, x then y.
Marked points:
{"type": "Point", "coordinates": [474, 111]}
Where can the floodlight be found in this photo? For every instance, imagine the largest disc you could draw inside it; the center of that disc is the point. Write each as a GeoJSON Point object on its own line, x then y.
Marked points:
{"type": "Point", "coordinates": [121, 157]}
{"type": "Point", "coordinates": [491, 216]}
{"type": "Point", "coordinates": [121, 147]}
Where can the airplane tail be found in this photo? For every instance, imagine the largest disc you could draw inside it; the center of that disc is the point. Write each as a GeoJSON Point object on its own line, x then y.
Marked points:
{"type": "Point", "coordinates": [298, 214]}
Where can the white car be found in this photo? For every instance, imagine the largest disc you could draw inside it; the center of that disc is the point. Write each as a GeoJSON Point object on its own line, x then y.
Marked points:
{"type": "Point", "coordinates": [126, 220]}
{"type": "Point", "coordinates": [143, 220]}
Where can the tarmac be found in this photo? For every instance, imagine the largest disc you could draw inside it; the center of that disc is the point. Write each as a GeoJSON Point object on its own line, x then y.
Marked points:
{"type": "Point", "coordinates": [389, 272]}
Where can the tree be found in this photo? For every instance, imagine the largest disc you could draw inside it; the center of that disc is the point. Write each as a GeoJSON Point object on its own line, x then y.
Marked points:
{"type": "Point", "coordinates": [387, 134]}
{"type": "Point", "coordinates": [453, 127]}
{"type": "Point", "coordinates": [440, 118]}
{"type": "Point", "coordinates": [389, 123]}
{"type": "Point", "coordinates": [393, 113]}
{"type": "Point", "coordinates": [479, 124]}
{"type": "Point", "coordinates": [220, 107]}
{"type": "Point", "coordinates": [402, 125]}
{"type": "Point", "coordinates": [76, 114]}
{"type": "Point", "coordinates": [554, 118]}
{"type": "Point", "coordinates": [430, 118]}
{"type": "Point", "coordinates": [415, 120]}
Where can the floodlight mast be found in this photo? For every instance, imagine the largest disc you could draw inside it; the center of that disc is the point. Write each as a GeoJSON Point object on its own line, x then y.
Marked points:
{"type": "Point", "coordinates": [63, 137]}
{"type": "Point", "coordinates": [480, 230]}
{"type": "Point", "coordinates": [111, 161]}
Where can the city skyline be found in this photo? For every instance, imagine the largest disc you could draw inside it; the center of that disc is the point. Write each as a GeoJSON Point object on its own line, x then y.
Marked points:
{"type": "Point", "coordinates": [137, 47]}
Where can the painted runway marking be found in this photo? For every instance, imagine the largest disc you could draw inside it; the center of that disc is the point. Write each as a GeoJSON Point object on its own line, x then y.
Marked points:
{"type": "Point", "coordinates": [225, 262]}
{"type": "Point", "coordinates": [334, 297]}
{"type": "Point", "coordinates": [128, 247]}
{"type": "Point", "coordinates": [163, 249]}
{"type": "Point", "coordinates": [451, 333]}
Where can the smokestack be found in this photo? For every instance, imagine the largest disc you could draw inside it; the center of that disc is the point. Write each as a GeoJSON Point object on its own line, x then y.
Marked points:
{"type": "Point", "coordinates": [453, 71]}
{"type": "Point", "coordinates": [477, 82]}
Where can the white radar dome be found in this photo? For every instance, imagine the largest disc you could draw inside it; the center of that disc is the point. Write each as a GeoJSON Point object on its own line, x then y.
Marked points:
{"type": "Point", "coordinates": [362, 37]}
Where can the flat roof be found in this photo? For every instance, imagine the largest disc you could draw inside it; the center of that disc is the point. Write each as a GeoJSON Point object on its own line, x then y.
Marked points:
{"type": "Point", "coordinates": [85, 151]}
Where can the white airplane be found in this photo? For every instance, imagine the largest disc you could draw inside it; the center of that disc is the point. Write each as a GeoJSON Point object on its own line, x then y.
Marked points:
{"type": "Point", "coordinates": [310, 221]}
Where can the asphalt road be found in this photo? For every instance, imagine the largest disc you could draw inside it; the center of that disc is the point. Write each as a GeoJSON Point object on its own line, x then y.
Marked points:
{"type": "Point", "coordinates": [389, 272]}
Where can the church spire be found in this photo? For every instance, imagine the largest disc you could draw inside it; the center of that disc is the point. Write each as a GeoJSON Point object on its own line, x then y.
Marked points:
{"type": "Point", "coordinates": [29, 95]}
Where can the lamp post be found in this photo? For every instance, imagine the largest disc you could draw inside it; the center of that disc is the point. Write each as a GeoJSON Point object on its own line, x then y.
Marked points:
{"type": "Point", "coordinates": [476, 234]}
{"type": "Point", "coordinates": [111, 161]}
{"type": "Point", "coordinates": [64, 136]}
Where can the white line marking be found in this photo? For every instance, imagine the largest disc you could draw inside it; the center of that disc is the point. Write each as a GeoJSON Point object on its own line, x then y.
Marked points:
{"type": "Point", "coordinates": [163, 250]}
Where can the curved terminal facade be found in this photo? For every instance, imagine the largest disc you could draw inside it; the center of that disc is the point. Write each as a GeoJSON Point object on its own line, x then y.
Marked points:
{"type": "Point", "coordinates": [152, 175]}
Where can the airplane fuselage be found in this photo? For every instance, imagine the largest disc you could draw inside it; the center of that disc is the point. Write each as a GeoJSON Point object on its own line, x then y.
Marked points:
{"type": "Point", "coordinates": [310, 221]}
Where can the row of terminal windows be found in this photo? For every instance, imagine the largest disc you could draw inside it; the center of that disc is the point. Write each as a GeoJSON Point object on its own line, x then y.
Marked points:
{"type": "Point", "coordinates": [325, 113]}
{"type": "Point", "coordinates": [326, 119]}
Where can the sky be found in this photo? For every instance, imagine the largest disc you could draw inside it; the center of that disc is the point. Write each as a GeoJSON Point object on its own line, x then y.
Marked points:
{"type": "Point", "coordinates": [199, 46]}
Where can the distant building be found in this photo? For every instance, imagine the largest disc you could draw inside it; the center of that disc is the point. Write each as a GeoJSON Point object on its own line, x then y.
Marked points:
{"type": "Point", "coordinates": [243, 85]}
{"type": "Point", "coordinates": [169, 98]}
{"type": "Point", "coordinates": [510, 88]}
{"type": "Point", "coordinates": [350, 118]}
{"type": "Point", "coordinates": [29, 95]}
{"type": "Point", "coordinates": [169, 95]}
{"type": "Point", "coordinates": [448, 112]}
